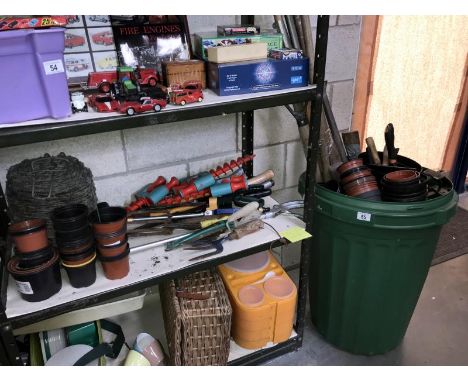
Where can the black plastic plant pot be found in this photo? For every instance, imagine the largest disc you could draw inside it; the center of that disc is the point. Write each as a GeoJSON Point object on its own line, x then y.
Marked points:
{"type": "Point", "coordinates": [410, 187]}
{"type": "Point", "coordinates": [70, 217]}
{"type": "Point", "coordinates": [76, 246]}
{"type": "Point", "coordinates": [403, 163]}
{"type": "Point", "coordinates": [370, 195]}
{"type": "Point", "coordinates": [38, 283]}
{"type": "Point", "coordinates": [81, 233]}
{"type": "Point", "coordinates": [403, 198]}
{"type": "Point", "coordinates": [82, 275]}
{"type": "Point", "coordinates": [33, 259]}
{"type": "Point", "coordinates": [78, 256]}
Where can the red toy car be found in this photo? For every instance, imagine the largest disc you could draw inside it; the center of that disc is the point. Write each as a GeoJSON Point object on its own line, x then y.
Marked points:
{"type": "Point", "coordinates": [103, 38]}
{"type": "Point", "coordinates": [103, 103]}
{"type": "Point", "coordinates": [189, 92]}
{"type": "Point", "coordinates": [72, 41]}
{"type": "Point", "coordinates": [145, 104]}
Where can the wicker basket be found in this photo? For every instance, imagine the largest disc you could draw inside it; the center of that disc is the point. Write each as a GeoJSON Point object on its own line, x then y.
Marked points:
{"type": "Point", "coordinates": [197, 330]}
{"type": "Point", "coordinates": [181, 71]}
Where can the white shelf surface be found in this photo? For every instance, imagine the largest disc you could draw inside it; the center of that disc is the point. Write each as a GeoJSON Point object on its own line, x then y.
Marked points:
{"type": "Point", "coordinates": [210, 98]}
{"type": "Point", "coordinates": [146, 265]}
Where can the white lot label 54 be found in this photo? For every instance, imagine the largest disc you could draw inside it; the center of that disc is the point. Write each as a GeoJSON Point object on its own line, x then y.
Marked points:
{"type": "Point", "coordinates": [53, 67]}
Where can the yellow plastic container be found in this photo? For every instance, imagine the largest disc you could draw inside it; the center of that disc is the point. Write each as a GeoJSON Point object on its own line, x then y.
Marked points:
{"type": "Point", "coordinates": [263, 300]}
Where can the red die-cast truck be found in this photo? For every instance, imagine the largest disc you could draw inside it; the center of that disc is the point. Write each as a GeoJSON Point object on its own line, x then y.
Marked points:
{"type": "Point", "coordinates": [103, 80]}
{"type": "Point", "coordinates": [188, 92]}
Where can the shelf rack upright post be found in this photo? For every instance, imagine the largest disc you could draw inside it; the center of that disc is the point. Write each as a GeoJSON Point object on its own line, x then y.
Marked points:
{"type": "Point", "coordinates": [18, 135]}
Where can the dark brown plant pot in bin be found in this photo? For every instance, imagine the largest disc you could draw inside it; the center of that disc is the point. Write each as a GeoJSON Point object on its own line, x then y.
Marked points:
{"type": "Point", "coordinates": [349, 166]}
{"type": "Point", "coordinates": [29, 235]}
{"type": "Point", "coordinates": [116, 267]}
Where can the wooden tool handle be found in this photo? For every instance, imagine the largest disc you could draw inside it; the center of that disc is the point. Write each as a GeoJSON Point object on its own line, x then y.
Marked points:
{"type": "Point", "coordinates": [385, 156]}
{"type": "Point", "coordinates": [375, 155]}
{"type": "Point", "coordinates": [261, 178]}
{"type": "Point", "coordinates": [244, 211]}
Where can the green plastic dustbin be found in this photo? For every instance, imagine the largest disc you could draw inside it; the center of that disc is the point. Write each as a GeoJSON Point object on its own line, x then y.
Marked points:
{"type": "Point", "coordinates": [369, 262]}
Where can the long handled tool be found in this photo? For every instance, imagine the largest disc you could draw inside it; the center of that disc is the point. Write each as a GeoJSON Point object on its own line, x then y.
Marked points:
{"type": "Point", "coordinates": [218, 227]}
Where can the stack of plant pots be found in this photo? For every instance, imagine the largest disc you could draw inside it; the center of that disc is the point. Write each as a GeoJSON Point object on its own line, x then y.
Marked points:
{"type": "Point", "coordinates": [110, 232]}
{"type": "Point", "coordinates": [75, 244]}
{"type": "Point", "coordinates": [36, 267]}
{"type": "Point", "coordinates": [357, 180]}
{"type": "Point", "coordinates": [404, 186]}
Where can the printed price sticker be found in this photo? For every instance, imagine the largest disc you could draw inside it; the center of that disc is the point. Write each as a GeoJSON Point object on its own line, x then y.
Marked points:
{"type": "Point", "coordinates": [365, 216]}
{"type": "Point", "coordinates": [24, 287]}
{"type": "Point", "coordinates": [53, 67]}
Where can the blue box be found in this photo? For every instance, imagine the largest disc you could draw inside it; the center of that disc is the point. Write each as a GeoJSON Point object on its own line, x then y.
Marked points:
{"type": "Point", "coordinates": [257, 76]}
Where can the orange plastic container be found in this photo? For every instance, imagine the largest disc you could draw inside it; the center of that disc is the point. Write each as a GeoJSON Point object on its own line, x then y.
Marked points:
{"type": "Point", "coordinates": [263, 309]}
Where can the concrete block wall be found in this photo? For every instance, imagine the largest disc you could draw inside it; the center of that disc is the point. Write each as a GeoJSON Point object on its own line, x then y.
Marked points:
{"type": "Point", "coordinates": [122, 161]}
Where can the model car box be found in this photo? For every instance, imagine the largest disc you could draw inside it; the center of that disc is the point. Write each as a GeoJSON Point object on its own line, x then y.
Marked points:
{"type": "Point", "coordinates": [26, 22]}
{"type": "Point", "coordinates": [222, 54]}
{"type": "Point", "coordinates": [257, 76]}
{"type": "Point", "coordinates": [182, 71]}
{"type": "Point", "coordinates": [229, 30]}
{"type": "Point", "coordinates": [285, 54]}
{"type": "Point", "coordinates": [206, 40]}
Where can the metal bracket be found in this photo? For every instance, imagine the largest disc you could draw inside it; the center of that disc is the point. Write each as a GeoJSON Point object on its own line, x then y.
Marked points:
{"type": "Point", "coordinates": [299, 116]}
{"type": "Point", "coordinates": [247, 140]}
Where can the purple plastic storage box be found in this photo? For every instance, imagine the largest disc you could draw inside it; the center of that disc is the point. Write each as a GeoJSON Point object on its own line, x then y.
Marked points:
{"type": "Point", "coordinates": [32, 75]}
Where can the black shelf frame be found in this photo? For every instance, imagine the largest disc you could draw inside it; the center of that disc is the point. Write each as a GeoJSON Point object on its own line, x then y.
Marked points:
{"type": "Point", "coordinates": [9, 354]}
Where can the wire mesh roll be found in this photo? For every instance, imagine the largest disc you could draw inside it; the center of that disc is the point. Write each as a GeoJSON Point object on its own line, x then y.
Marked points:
{"type": "Point", "coordinates": [34, 187]}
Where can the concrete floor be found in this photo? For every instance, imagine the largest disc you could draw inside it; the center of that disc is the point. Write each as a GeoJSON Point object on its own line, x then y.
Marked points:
{"type": "Point", "coordinates": [437, 334]}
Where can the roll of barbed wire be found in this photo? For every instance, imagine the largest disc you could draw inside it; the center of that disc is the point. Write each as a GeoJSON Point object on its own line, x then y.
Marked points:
{"type": "Point", "coordinates": [34, 187]}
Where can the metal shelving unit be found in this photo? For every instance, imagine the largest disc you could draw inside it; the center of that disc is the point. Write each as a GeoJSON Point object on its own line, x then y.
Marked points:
{"type": "Point", "coordinates": [29, 133]}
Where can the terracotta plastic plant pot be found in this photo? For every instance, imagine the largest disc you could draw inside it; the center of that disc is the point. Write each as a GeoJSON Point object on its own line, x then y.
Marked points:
{"type": "Point", "coordinates": [356, 175]}
{"type": "Point", "coordinates": [82, 275]}
{"type": "Point", "coordinates": [37, 283]}
{"type": "Point", "coordinates": [349, 165]}
{"type": "Point", "coordinates": [70, 217]}
{"type": "Point", "coordinates": [109, 220]}
{"type": "Point", "coordinates": [279, 287]}
{"type": "Point", "coordinates": [367, 180]}
{"type": "Point", "coordinates": [29, 235]}
{"type": "Point", "coordinates": [116, 267]}
{"type": "Point", "coordinates": [251, 295]}
{"type": "Point", "coordinates": [113, 250]}
{"type": "Point", "coordinates": [112, 239]}
{"type": "Point", "coordinates": [86, 254]}
{"type": "Point", "coordinates": [34, 259]}
{"type": "Point", "coordinates": [359, 189]}
{"type": "Point", "coordinates": [401, 176]}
